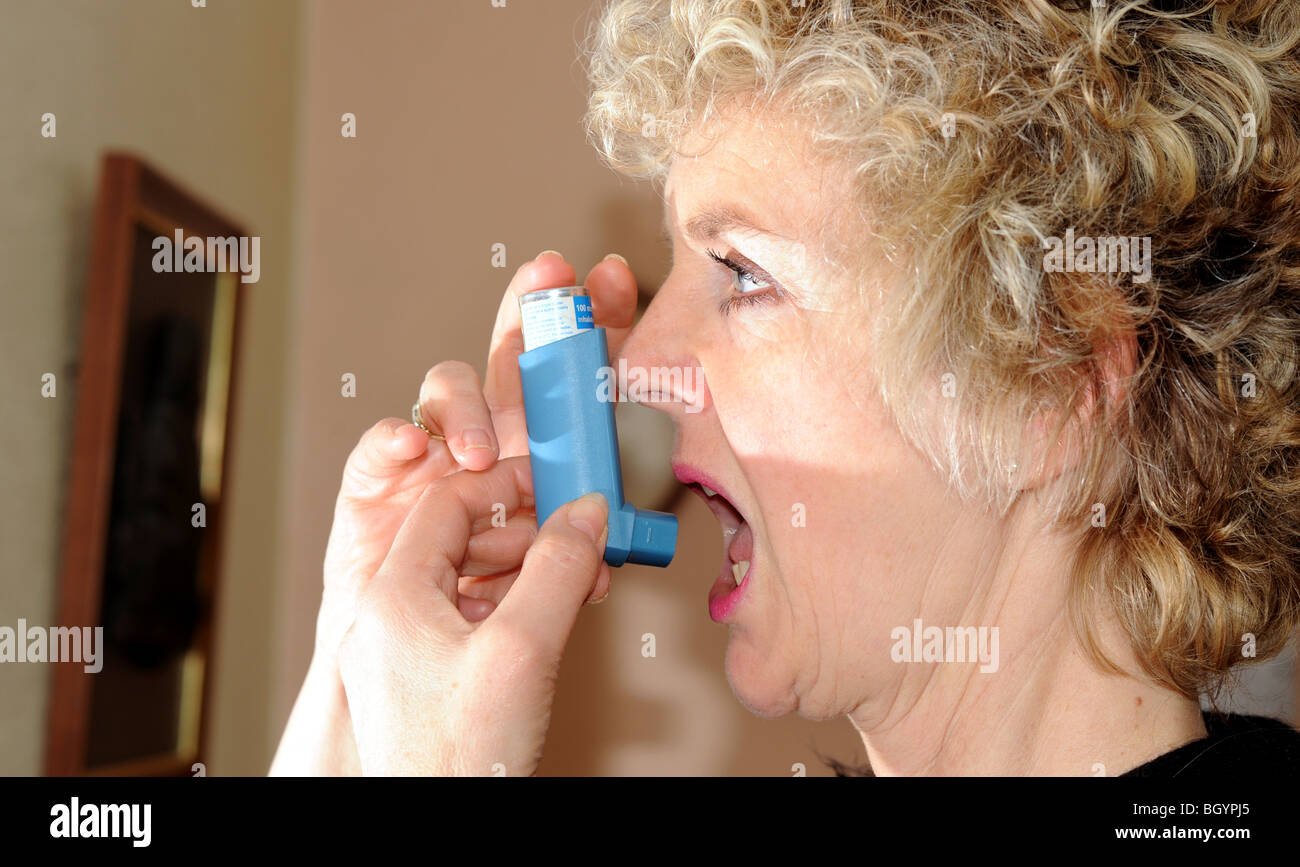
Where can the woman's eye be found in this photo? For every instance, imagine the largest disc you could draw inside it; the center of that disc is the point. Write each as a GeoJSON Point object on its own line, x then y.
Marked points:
{"type": "Point", "coordinates": [743, 279]}
{"type": "Point", "coordinates": [751, 284]}
{"type": "Point", "coordinates": [746, 282]}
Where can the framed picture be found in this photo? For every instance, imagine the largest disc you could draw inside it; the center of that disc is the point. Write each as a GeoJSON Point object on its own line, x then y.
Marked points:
{"type": "Point", "coordinates": [150, 453]}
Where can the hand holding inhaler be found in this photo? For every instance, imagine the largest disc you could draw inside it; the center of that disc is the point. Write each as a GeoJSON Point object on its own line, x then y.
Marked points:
{"type": "Point", "coordinates": [402, 491]}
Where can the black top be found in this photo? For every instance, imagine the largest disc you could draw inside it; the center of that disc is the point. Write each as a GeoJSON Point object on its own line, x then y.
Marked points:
{"type": "Point", "coordinates": [1235, 745]}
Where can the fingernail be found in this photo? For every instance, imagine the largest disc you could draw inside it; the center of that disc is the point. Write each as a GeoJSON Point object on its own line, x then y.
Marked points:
{"type": "Point", "coordinates": [588, 515]}
{"type": "Point", "coordinates": [475, 438]}
{"type": "Point", "coordinates": [555, 253]}
{"type": "Point", "coordinates": [598, 601]}
{"type": "Point", "coordinates": [616, 256]}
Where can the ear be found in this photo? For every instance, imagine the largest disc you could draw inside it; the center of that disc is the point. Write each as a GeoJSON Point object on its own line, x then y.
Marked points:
{"type": "Point", "coordinates": [1056, 440]}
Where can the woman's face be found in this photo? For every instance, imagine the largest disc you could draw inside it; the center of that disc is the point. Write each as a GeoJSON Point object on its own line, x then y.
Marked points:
{"type": "Point", "coordinates": [845, 527]}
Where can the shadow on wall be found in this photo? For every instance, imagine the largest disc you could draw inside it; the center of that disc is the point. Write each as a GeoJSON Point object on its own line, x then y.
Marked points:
{"type": "Point", "coordinates": [627, 220]}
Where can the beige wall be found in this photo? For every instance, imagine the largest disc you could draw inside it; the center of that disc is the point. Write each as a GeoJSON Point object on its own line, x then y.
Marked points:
{"type": "Point", "coordinates": [208, 95]}
{"type": "Point", "coordinates": [468, 135]}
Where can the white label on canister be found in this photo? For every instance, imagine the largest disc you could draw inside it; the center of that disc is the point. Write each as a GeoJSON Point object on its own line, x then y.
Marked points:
{"type": "Point", "coordinates": [547, 320]}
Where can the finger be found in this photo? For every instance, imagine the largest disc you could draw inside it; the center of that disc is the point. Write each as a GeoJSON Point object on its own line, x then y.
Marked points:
{"type": "Point", "coordinates": [558, 574]}
{"type": "Point", "coordinates": [603, 581]}
{"type": "Point", "coordinates": [475, 610]}
{"type": "Point", "coordinates": [612, 287]}
{"type": "Point", "coordinates": [493, 588]}
{"type": "Point", "coordinates": [500, 549]}
{"type": "Point", "coordinates": [451, 399]}
{"type": "Point", "coordinates": [432, 543]}
{"type": "Point", "coordinates": [503, 390]}
{"type": "Point", "coordinates": [382, 453]}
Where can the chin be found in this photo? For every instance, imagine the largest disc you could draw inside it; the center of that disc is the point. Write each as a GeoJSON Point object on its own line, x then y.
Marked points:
{"type": "Point", "coordinates": [765, 694]}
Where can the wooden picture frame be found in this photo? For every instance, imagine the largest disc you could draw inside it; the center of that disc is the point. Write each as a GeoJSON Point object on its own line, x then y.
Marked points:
{"type": "Point", "coordinates": [136, 201]}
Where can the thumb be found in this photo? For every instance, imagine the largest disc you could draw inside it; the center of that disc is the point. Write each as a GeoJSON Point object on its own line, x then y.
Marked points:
{"type": "Point", "coordinates": [558, 574]}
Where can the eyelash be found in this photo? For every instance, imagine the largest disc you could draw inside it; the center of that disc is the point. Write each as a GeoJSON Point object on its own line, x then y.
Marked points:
{"type": "Point", "coordinates": [744, 299]}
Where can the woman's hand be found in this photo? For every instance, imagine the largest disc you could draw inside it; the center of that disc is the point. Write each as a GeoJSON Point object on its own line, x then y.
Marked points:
{"type": "Point", "coordinates": [389, 470]}
{"type": "Point", "coordinates": [432, 692]}
{"type": "Point", "coordinates": [394, 461]}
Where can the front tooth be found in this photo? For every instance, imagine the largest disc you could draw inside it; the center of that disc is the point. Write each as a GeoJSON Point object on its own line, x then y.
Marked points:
{"type": "Point", "coordinates": [738, 571]}
{"type": "Point", "coordinates": [709, 490]}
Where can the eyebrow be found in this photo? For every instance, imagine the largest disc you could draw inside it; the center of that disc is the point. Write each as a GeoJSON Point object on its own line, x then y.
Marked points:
{"type": "Point", "coordinates": [713, 221]}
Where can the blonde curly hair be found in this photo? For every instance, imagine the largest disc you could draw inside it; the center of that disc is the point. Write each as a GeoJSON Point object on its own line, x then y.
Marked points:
{"type": "Point", "coordinates": [975, 132]}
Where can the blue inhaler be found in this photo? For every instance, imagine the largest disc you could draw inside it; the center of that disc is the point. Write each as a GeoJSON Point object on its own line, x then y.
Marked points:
{"type": "Point", "coordinates": [572, 441]}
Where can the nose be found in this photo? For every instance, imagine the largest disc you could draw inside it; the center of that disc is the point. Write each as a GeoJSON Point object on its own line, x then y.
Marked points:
{"type": "Point", "coordinates": [658, 365]}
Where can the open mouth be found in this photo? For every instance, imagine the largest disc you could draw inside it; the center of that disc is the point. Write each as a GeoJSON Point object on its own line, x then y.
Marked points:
{"type": "Point", "coordinates": [737, 546]}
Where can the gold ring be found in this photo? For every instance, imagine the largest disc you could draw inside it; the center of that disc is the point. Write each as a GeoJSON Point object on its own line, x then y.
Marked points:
{"type": "Point", "coordinates": [418, 421]}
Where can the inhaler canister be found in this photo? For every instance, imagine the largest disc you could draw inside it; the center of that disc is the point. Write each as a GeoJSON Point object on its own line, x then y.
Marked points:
{"type": "Point", "coordinates": [569, 410]}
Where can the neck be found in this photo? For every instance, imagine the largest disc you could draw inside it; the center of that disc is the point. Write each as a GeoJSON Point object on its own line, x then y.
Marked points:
{"type": "Point", "coordinates": [1047, 708]}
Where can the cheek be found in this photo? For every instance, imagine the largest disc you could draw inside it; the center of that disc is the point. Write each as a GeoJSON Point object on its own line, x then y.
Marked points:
{"type": "Point", "coordinates": [825, 536]}
{"type": "Point", "coordinates": [770, 404]}
{"type": "Point", "coordinates": [850, 513]}
{"type": "Point", "coordinates": [807, 456]}
{"type": "Point", "coordinates": [749, 402]}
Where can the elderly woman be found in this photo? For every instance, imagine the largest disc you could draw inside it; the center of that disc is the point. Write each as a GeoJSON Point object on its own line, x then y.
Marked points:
{"type": "Point", "coordinates": [996, 313]}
